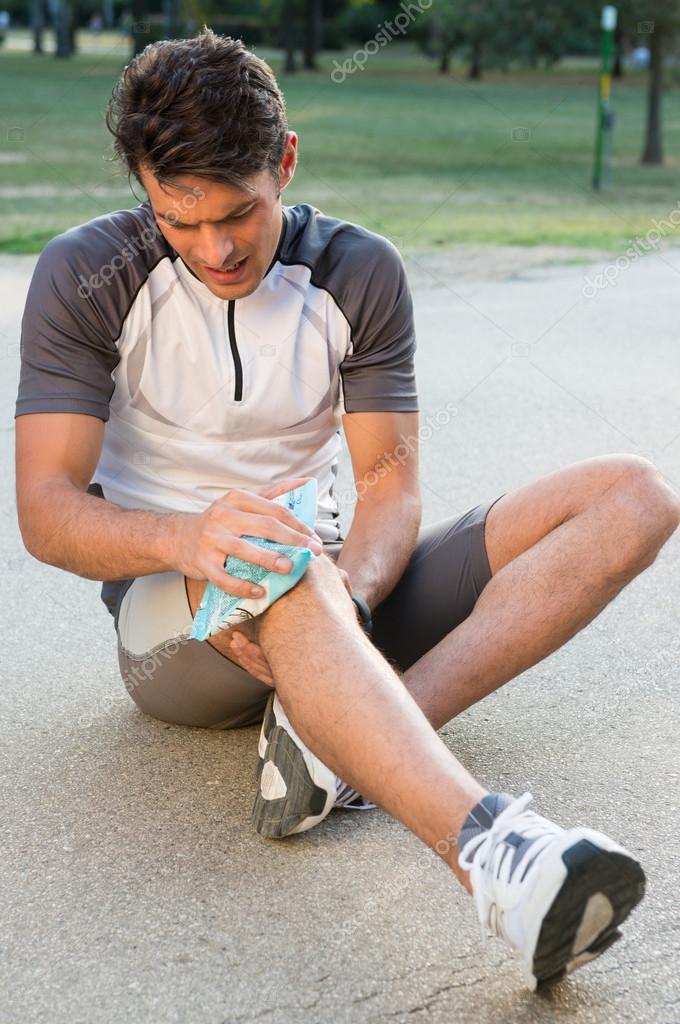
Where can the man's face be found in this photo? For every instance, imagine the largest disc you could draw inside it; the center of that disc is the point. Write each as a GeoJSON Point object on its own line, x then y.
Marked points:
{"type": "Point", "coordinates": [225, 235]}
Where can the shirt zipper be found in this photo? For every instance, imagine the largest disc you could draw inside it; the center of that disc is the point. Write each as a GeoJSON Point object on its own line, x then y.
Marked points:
{"type": "Point", "coordinates": [238, 366]}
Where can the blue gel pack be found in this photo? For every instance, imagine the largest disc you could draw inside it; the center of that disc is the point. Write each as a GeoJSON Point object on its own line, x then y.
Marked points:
{"type": "Point", "coordinates": [219, 610]}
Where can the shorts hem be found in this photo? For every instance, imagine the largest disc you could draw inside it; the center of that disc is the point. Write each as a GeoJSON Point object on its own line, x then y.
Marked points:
{"type": "Point", "coordinates": [479, 558]}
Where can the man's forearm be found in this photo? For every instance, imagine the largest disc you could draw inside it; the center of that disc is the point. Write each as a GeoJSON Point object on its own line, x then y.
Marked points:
{"type": "Point", "coordinates": [94, 538]}
{"type": "Point", "coordinates": [379, 545]}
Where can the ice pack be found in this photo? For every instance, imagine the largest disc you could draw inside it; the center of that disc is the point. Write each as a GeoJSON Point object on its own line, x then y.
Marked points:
{"type": "Point", "coordinates": [219, 610]}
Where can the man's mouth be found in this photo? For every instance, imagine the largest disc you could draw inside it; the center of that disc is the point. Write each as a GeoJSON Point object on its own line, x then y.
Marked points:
{"type": "Point", "coordinates": [229, 272]}
{"type": "Point", "coordinates": [229, 266]}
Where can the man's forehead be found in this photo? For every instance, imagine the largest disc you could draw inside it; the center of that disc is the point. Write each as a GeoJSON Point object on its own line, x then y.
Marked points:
{"type": "Point", "coordinates": [173, 202]}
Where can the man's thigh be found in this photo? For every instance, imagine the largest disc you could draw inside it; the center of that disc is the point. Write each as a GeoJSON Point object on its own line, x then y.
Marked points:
{"type": "Point", "coordinates": [170, 676]}
{"type": "Point", "coordinates": [447, 572]}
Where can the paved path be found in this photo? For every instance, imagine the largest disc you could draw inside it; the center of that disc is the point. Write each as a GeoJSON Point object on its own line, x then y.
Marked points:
{"type": "Point", "coordinates": [133, 887]}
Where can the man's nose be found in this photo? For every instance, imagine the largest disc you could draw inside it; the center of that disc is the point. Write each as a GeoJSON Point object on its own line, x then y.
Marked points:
{"type": "Point", "coordinates": [214, 246]}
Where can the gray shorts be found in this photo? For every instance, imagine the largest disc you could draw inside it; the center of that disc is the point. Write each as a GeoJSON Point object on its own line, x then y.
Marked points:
{"type": "Point", "coordinates": [189, 682]}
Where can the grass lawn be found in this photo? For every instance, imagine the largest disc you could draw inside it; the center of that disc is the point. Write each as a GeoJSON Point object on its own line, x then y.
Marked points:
{"type": "Point", "coordinates": [426, 160]}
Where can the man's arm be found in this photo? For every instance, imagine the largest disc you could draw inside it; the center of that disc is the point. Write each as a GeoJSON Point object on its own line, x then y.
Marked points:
{"type": "Point", "coordinates": [56, 456]}
{"type": "Point", "coordinates": [384, 451]}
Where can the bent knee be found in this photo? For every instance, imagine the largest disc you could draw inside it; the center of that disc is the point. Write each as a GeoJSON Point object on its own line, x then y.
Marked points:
{"type": "Point", "coordinates": [320, 588]}
{"type": "Point", "coordinates": [646, 486]}
{"type": "Point", "coordinates": [651, 509]}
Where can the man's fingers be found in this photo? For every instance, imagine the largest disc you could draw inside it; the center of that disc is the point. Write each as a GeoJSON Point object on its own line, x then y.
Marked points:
{"type": "Point", "coordinates": [238, 504]}
{"type": "Point", "coordinates": [251, 658]}
{"type": "Point", "coordinates": [232, 584]}
{"type": "Point", "coordinates": [269, 526]}
{"type": "Point", "coordinates": [250, 552]}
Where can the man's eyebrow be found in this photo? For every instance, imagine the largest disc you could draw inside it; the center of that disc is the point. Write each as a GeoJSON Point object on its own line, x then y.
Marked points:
{"type": "Point", "coordinates": [172, 218]}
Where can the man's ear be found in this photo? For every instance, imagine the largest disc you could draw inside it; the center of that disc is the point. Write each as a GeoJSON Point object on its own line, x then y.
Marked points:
{"type": "Point", "coordinates": [288, 161]}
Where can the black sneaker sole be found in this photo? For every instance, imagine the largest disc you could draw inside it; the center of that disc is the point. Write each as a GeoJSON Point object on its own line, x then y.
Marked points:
{"type": "Point", "coordinates": [303, 799]}
{"type": "Point", "coordinates": [618, 880]}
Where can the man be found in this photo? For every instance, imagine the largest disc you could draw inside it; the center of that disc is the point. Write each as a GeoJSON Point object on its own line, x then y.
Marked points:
{"type": "Point", "coordinates": [184, 363]}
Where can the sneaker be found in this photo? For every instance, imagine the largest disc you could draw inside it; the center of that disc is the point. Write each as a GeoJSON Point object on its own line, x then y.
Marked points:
{"type": "Point", "coordinates": [295, 790]}
{"type": "Point", "coordinates": [556, 896]}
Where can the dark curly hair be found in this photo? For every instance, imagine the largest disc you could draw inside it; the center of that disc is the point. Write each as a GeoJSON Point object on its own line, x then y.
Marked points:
{"type": "Point", "coordinates": [204, 106]}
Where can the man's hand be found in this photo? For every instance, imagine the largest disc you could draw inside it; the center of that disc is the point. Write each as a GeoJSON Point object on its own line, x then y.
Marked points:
{"type": "Point", "coordinates": [204, 540]}
{"type": "Point", "coordinates": [248, 654]}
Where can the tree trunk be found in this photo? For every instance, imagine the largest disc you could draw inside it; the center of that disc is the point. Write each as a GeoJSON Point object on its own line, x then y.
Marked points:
{"type": "Point", "coordinates": [288, 35]}
{"type": "Point", "coordinates": [139, 30]}
{"type": "Point", "coordinates": [313, 25]}
{"type": "Point", "coordinates": [653, 151]}
{"type": "Point", "coordinates": [64, 30]}
{"type": "Point", "coordinates": [168, 19]}
{"type": "Point", "coordinates": [444, 57]}
{"type": "Point", "coordinates": [37, 25]}
{"type": "Point", "coordinates": [617, 69]}
{"type": "Point", "coordinates": [475, 70]}
{"type": "Point", "coordinates": [108, 13]}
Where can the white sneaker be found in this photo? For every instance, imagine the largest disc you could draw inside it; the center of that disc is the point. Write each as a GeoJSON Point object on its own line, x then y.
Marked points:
{"type": "Point", "coordinates": [295, 789]}
{"type": "Point", "coordinates": [557, 897]}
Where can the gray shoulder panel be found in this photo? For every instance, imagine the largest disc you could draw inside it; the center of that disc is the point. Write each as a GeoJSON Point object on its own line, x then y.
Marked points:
{"type": "Point", "coordinates": [82, 288]}
{"type": "Point", "coordinates": [365, 275]}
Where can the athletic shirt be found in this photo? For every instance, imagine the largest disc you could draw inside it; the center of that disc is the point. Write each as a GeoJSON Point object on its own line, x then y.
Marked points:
{"type": "Point", "coordinates": [201, 394]}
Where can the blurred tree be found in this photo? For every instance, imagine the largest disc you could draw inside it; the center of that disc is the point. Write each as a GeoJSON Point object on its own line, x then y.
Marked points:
{"type": "Point", "coordinates": [654, 24]}
{"type": "Point", "coordinates": [37, 24]}
{"type": "Point", "coordinates": [480, 30]}
{"type": "Point", "coordinates": [313, 29]}
{"type": "Point", "coordinates": [490, 33]}
{"type": "Point", "coordinates": [139, 26]}
{"type": "Point", "coordinates": [171, 18]}
{"type": "Point", "coordinates": [300, 24]}
{"type": "Point", "coordinates": [64, 29]}
{"type": "Point", "coordinates": [289, 34]}
{"type": "Point", "coordinates": [539, 32]}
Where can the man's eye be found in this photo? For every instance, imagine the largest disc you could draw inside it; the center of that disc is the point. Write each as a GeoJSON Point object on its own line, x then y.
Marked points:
{"type": "Point", "coordinates": [238, 216]}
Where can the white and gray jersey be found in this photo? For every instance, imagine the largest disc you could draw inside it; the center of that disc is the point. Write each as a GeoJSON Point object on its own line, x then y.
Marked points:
{"type": "Point", "coordinates": [200, 394]}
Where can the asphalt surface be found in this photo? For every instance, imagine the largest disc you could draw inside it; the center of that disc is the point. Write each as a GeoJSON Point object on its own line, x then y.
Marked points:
{"type": "Point", "coordinates": [133, 888]}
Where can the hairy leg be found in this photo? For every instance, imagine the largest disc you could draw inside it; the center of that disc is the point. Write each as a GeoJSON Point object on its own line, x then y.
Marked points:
{"type": "Point", "coordinates": [559, 550]}
{"type": "Point", "coordinates": [349, 707]}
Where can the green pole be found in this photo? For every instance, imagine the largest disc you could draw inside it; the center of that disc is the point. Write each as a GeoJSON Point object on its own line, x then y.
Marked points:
{"type": "Point", "coordinates": [608, 23]}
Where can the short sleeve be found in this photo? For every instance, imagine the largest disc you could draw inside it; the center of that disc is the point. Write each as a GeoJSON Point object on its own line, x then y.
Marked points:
{"type": "Point", "coordinates": [74, 313]}
{"type": "Point", "coordinates": [378, 374]}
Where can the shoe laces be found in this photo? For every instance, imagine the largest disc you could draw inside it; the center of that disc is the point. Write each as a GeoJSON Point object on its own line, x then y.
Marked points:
{"type": "Point", "coordinates": [482, 856]}
{"type": "Point", "coordinates": [347, 797]}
